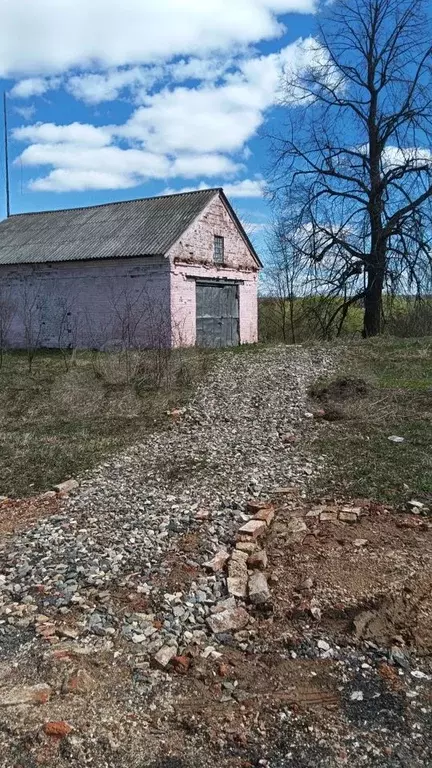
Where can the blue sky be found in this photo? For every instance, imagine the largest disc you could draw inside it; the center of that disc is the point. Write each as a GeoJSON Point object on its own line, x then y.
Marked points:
{"type": "Point", "coordinates": [132, 99]}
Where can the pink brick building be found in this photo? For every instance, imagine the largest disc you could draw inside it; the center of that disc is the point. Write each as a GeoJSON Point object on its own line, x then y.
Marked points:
{"type": "Point", "coordinates": [177, 270]}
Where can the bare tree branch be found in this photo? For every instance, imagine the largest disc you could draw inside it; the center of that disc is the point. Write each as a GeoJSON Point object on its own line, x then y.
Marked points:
{"type": "Point", "coordinates": [353, 169]}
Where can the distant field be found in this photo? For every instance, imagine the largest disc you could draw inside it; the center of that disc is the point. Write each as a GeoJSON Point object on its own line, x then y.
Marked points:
{"type": "Point", "coordinates": [398, 401]}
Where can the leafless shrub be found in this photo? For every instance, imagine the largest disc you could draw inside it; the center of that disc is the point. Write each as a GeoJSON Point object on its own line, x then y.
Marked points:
{"type": "Point", "coordinates": [32, 304]}
{"type": "Point", "coordinates": [410, 318]}
{"type": "Point", "coordinates": [66, 319]}
{"type": "Point", "coordinates": [285, 281]}
{"type": "Point", "coordinates": [138, 349]}
{"type": "Point", "coordinates": [7, 313]}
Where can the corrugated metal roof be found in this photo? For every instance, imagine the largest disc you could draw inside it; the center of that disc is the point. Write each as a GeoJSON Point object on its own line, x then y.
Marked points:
{"type": "Point", "coordinates": [145, 227]}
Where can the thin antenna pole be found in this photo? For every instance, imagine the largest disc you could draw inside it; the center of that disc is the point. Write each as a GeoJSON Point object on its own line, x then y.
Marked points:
{"type": "Point", "coordinates": [6, 156]}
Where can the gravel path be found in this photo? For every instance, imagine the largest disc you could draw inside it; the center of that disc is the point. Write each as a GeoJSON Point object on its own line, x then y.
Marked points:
{"type": "Point", "coordinates": [240, 436]}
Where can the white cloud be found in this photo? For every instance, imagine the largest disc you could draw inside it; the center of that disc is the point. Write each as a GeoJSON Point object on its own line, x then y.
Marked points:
{"type": "Point", "coordinates": [208, 69]}
{"type": "Point", "coordinates": [31, 86]}
{"type": "Point", "coordinates": [34, 86]}
{"type": "Point", "coordinates": [94, 88]}
{"type": "Point", "coordinates": [414, 157]}
{"type": "Point", "coordinates": [191, 166]}
{"type": "Point", "coordinates": [27, 113]}
{"type": "Point", "coordinates": [176, 131]}
{"type": "Point", "coordinates": [79, 167]}
{"type": "Point", "coordinates": [213, 118]}
{"type": "Point", "coordinates": [47, 37]}
{"type": "Point", "coordinates": [184, 132]}
{"type": "Point", "coordinates": [97, 87]}
{"type": "Point", "coordinates": [77, 133]}
{"type": "Point", "coordinates": [206, 120]}
{"type": "Point", "coordinates": [68, 180]}
{"type": "Point", "coordinates": [247, 188]}
{"type": "Point", "coordinates": [411, 158]}
{"type": "Point", "coordinates": [110, 159]}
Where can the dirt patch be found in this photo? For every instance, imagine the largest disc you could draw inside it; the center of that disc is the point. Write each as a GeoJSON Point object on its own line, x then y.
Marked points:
{"type": "Point", "coordinates": [19, 514]}
{"type": "Point", "coordinates": [407, 615]}
{"type": "Point", "coordinates": [340, 389]}
{"type": "Point", "coordinates": [257, 681]}
{"type": "Point", "coordinates": [370, 580]}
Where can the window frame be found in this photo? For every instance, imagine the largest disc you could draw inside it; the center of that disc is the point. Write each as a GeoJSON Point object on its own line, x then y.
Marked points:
{"type": "Point", "coordinates": [219, 250]}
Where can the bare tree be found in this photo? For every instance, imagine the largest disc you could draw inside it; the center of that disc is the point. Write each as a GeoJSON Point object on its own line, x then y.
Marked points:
{"type": "Point", "coordinates": [65, 324]}
{"type": "Point", "coordinates": [353, 165]}
{"type": "Point", "coordinates": [32, 304]}
{"type": "Point", "coordinates": [285, 279]}
{"type": "Point", "coordinates": [7, 313]}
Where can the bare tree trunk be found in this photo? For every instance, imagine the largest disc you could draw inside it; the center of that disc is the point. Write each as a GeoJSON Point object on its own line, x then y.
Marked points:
{"type": "Point", "coordinates": [372, 324]}
{"type": "Point", "coordinates": [292, 322]}
{"type": "Point", "coordinates": [283, 318]}
{"type": "Point", "coordinates": [377, 259]}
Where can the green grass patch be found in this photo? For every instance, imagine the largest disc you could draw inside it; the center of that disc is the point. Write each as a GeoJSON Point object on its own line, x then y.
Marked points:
{"type": "Point", "coordinates": [398, 401]}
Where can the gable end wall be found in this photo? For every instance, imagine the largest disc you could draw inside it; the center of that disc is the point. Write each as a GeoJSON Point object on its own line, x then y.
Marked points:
{"type": "Point", "coordinates": [192, 257]}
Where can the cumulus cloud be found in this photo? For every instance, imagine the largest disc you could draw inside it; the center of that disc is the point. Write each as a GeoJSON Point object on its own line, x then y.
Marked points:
{"type": "Point", "coordinates": [199, 90]}
{"type": "Point", "coordinates": [94, 88]}
{"type": "Point", "coordinates": [393, 157]}
{"type": "Point", "coordinates": [206, 119]}
{"type": "Point", "coordinates": [208, 69]}
{"type": "Point", "coordinates": [76, 133]}
{"type": "Point", "coordinates": [214, 118]}
{"type": "Point", "coordinates": [77, 167]}
{"type": "Point", "coordinates": [247, 188]}
{"type": "Point", "coordinates": [68, 180]}
{"type": "Point", "coordinates": [27, 113]}
{"type": "Point", "coordinates": [52, 37]}
{"type": "Point", "coordinates": [193, 166]}
{"type": "Point", "coordinates": [136, 82]}
{"type": "Point", "coordinates": [412, 157]}
{"type": "Point", "coordinates": [30, 86]}
{"type": "Point", "coordinates": [189, 132]}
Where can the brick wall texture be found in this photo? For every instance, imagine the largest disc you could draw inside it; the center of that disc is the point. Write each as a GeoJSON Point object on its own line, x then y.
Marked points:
{"type": "Point", "coordinates": [139, 302]}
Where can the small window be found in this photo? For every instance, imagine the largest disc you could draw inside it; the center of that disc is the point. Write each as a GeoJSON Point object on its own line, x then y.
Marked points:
{"type": "Point", "coordinates": [218, 250]}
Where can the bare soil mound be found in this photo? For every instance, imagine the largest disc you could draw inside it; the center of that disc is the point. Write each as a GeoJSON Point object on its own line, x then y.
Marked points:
{"type": "Point", "coordinates": [340, 389]}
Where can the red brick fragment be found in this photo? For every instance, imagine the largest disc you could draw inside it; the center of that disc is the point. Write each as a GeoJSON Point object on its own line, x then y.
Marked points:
{"type": "Point", "coordinates": [253, 506]}
{"type": "Point", "coordinates": [181, 664]}
{"type": "Point", "coordinates": [223, 670]}
{"type": "Point", "coordinates": [266, 515]}
{"type": "Point", "coordinates": [58, 729]}
{"type": "Point", "coordinates": [252, 530]}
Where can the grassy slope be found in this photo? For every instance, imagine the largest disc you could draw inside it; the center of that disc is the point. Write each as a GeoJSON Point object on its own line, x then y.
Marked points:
{"type": "Point", "coordinates": [57, 422]}
{"type": "Point", "coordinates": [362, 461]}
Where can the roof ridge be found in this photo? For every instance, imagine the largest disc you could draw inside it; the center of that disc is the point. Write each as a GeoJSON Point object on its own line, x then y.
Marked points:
{"type": "Point", "coordinates": [117, 202]}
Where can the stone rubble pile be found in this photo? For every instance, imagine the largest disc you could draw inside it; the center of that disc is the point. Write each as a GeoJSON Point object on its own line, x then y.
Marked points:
{"type": "Point", "coordinates": [216, 603]}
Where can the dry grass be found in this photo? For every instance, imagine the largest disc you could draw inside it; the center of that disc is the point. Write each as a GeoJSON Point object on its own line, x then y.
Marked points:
{"type": "Point", "coordinates": [65, 416]}
{"type": "Point", "coordinates": [398, 401]}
